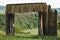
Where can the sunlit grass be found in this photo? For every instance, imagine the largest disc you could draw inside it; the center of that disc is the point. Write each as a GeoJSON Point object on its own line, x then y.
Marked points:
{"type": "Point", "coordinates": [58, 33]}
{"type": "Point", "coordinates": [2, 11]}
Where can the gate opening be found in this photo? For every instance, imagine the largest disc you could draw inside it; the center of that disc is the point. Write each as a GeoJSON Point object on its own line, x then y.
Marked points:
{"type": "Point", "coordinates": [26, 23]}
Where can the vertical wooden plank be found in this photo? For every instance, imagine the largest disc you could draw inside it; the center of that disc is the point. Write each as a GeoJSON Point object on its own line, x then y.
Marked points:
{"type": "Point", "coordinates": [7, 25]}
{"type": "Point", "coordinates": [42, 23]}
{"type": "Point", "coordinates": [40, 28]}
{"type": "Point", "coordinates": [9, 20]}
{"type": "Point", "coordinates": [8, 9]}
{"type": "Point", "coordinates": [45, 24]}
{"type": "Point", "coordinates": [52, 21]}
{"type": "Point", "coordinates": [45, 21]}
{"type": "Point", "coordinates": [12, 21]}
{"type": "Point", "coordinates": [55, 23]}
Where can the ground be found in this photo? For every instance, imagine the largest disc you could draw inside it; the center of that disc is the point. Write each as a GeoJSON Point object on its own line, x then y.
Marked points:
{"type": "Point", "coordinates": [30, 36]}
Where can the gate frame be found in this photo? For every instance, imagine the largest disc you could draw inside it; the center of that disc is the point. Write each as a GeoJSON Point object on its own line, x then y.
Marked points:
{"type": "Point", "coordinates": [49, 23]}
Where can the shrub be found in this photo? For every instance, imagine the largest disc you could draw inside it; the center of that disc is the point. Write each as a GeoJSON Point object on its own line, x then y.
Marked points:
{"type": "Point", "coordinates": [18, 29]}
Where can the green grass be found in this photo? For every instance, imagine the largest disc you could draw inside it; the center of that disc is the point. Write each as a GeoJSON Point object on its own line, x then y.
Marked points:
{"type": "Point", "coordinates": [32, 36]}
{"type": "Point", "coordinates": [29, 38]}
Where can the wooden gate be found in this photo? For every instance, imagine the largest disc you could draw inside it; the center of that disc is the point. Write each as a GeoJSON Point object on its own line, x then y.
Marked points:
{"type": "Point", "coordinates": [47, 20]}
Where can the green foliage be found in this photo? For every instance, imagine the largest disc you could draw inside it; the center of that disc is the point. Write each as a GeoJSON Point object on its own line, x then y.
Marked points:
{"type": "Point", "coordinates": [27, 20]}
{"type": "Point", "coordinates": [18, 29]}
{"type": "Point", "coordinates": [2, 22]}
{"type": "Point", "coordinates": [58, 24]}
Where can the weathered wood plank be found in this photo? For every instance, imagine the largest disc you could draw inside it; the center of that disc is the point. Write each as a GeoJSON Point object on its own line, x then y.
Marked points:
{"type": "Point", "coordinates": [22, 8]}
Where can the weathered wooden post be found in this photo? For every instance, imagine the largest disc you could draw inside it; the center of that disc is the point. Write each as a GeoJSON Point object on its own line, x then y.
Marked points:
{"type": "Point", "coordinates": [45, 20]}
{"type": "Point", "coordinates": [55, 23]}
{"type": "Point", "coordinates": [52, 21]}
{"type": "Point", "coordinates": [45, 23]}
{"type": "Point", "coordinates": [40, 23]}
{"type": "Point", "coordinates": [9, 20]}
{"type": "Point", "coordinates": [44, 13]}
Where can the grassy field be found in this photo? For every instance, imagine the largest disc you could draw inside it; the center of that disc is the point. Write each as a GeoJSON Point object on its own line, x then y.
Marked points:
{"type": "Point", "coordinates": [30, 36]}
{"type": "Point", "coordinates": [2, 11]}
